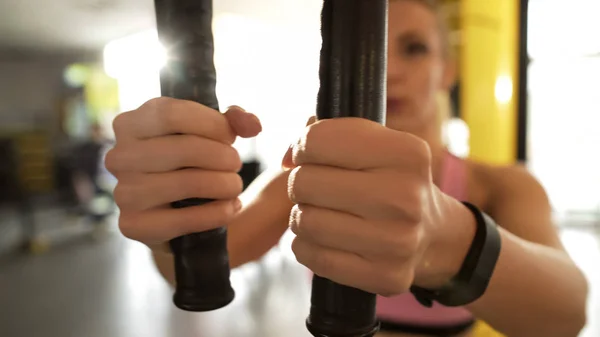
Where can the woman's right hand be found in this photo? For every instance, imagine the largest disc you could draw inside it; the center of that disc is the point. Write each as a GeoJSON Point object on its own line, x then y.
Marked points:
{"type": "Point", "coordinates": [169, 150]}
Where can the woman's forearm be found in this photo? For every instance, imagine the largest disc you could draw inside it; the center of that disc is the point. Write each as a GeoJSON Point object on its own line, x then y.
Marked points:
{"type": "Point", "coordinates": [535, 291]}
{"type": "Point", "coordinates": [263, 220]}
{"type": "Point", "coordinates": [255, 230]}
{"type": "Point", "coordinates": [248, 240]}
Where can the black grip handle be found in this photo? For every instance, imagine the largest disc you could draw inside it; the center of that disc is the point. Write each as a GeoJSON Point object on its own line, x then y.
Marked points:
{"type": "Point", "coordinates": [201, 259]}
{"type": "Point", "coordinates": [353, 77]}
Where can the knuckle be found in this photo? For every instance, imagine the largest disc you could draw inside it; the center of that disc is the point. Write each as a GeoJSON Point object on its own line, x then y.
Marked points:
{"type": "Point", "coordinates": [386, 291]}
{"type": "Point", "coordinates": [396, 206]}
{"type": "Point", "coordinates": [414, 205]}
{"type": "Point", "coordinates": [305, 255]}
{"type": "Point", "coordinates": [186, 149]}
{"type": "Point", "coordinates": [153, 104]}
{"type": "Point", "coordinates": [415, 150]}
{"type": "Point", "coordinates": [111, 161]}
{"type": "Point", "coordinates": [293, 220]}
{"type": "Point", "coordinates": [306, 222]}
{"type": "Point", "coordinates": [407, 205]}
{"type": "Point", "coordinates": [315, 134]}
{"type": "Point", "coordinates": [301, 181]}
{"type": "Point", "coordinates": [230, 184]}
{"type": "Point", "coordinates": [413, 240]}
{"type": "Point", "coordinates": [295, 246]}
{"type": "Point", "coordinates": [323, 264]}
{"type": "Point", "coordinates": [189, 184]}
{"type": "Point", "coordinates": [212, 185]}
{"type": "Point", "coordinates": [293, 183]}
{"type": "Point", "coordinates": [406, 242]}
{"type": "Point", "coordinates": [398, 281]}
{"type": "Point", "coordinates": [124, 196]}
{"type": "Point", "coordinates": [422, 152]}
{"type": "Point", "coordinates": [233, 184]}
{"type": "Point", "coordinates": [163, 110]}
{"type": "Point", "coordinates": [231, 159]}
{"type": "Point", "coordinates": [396, 243]}
{"type": "Point", "coordinates": [119, 124]}
{"type": "Point", "coordinates": [223, 212]}
{"type": "Point", "coordinates": [318, 129]}
{"type": "Point", "coordinates": [168, 118]}
{"type": "Point", "coordinates": [126, 224]}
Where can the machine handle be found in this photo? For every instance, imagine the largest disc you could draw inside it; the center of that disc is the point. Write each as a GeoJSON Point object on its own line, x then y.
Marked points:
{"type": "Point", "coordinates": [201, 259]}
{"type": "Point", "coordinates": [353, 77]}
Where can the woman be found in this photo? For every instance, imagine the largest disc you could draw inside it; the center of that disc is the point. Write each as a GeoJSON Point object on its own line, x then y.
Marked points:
{"type": "Point", "coordinates": [380, 210]}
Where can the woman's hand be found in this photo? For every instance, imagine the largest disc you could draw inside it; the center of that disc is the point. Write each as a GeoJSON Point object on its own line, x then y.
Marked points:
{"type": "Point", "coordinates": [367, 212]}
{"type": "Point", "coordinates": [169, 150]}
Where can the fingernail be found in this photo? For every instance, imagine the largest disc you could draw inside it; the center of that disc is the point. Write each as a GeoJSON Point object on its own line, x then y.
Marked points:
{"type": "Point", "coordinates": [287, 161]}
{"type": "Point", "coordinates": [236, 107]}
{"type": "Point", "coordinates": [237, 205]}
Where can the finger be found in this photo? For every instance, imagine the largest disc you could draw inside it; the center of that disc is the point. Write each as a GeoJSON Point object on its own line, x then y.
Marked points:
{"type": "Point", "coordinates": [163, 248]}
{"type": "Point", "coordinates": [339, 142]}
{"type": "Point", "coordinates": [347, 269]}
{"type": "Point", "coordinates": [342, 231]}
{"type": "Point", "coordinates": [164, 224]}
{"type": "Point", "coordinates": [378, 196]}
{"type": "Point", "coordinates": [146, 191]}
{"type": "Point", "coordinates": [243, 123]}
{"type": "Point", "coordinates": [166, 116]}
{"type": "Point", "coordinates": [287, 162]}
{"type": "Point", "coordinates": [171, 153]}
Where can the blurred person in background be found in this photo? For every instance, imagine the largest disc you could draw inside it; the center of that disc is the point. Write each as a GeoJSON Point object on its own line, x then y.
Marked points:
{"type": "Point", "coordinates": [94, 197]}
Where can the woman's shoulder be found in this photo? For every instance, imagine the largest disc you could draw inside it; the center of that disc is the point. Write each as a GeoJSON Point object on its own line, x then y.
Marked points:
{"type": "Point", "coordinates": [500, 176]}
{"type": "Point", "coordinates": [492, 184]}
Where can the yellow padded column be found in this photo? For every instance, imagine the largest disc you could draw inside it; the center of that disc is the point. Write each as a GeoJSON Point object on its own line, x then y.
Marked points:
{"type": "Point", "coordinates": [488, 75]}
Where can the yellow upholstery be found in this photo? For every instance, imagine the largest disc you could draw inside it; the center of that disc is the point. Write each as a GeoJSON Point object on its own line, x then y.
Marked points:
{"type": "Point", "coordinates": [483, 330]}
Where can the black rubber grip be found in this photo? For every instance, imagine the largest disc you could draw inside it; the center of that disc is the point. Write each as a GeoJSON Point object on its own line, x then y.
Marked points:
{"type": "Point", "coordinates": [201, 259]}
{"type": "Point", "coordinates": [353, 77]}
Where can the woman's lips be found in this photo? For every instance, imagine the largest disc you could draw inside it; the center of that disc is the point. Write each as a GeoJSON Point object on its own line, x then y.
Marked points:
{"type": "Point", "coordinates": [395, 104]}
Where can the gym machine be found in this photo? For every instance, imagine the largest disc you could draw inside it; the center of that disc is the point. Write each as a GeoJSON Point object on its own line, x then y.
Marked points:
{"type": "Point", "coordinates": [352, 84]}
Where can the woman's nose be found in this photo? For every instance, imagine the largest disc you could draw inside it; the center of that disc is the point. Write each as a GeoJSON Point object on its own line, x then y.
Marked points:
{"type": "Point", "coordinates": [396, 71]}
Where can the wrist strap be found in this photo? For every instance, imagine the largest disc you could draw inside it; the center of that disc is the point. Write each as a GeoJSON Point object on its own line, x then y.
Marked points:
{"type": "Point", "coordinates": [472, 280]}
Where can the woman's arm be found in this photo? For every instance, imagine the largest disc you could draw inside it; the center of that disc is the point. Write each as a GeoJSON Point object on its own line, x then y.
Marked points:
{"type": "Point", "coordinates": [256, 229]}
{"type": "Point", "coordinates": [536, 289]}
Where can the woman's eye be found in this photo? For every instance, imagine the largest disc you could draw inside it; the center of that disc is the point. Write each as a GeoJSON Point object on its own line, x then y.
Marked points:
{"type": "Point", "coordinates": [415, 48]}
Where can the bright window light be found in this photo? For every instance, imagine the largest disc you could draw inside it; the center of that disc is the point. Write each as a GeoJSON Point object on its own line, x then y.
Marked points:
{"type": "Point", "coordinates": [135, 61]}
{"type": "Point", "coordinates": [137, 53]}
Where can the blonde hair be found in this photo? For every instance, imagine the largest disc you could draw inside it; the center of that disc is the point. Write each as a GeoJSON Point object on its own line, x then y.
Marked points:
{"type": "Point", "coordinates": [447, 15]}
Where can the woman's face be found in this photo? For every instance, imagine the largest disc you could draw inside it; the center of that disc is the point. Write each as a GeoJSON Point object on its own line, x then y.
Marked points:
{"type": "Point", "coordinates": [418, 68]}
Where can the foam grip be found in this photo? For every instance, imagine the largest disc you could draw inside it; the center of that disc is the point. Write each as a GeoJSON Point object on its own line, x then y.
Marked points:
{"type": "Point", "coordinates": [353, 75]}
{"type": "Point", "coordinates": [201, 259]}
{"type": "Point", "coordinates": [340, 311]}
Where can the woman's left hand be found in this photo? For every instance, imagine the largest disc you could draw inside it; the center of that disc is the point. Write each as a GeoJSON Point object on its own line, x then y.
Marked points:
{"type": "Point", "coordinates": [368, 214]}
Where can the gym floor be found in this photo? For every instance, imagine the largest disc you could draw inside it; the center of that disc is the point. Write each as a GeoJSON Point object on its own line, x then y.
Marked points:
{"type": "Point", "coordinates": [105, 285]}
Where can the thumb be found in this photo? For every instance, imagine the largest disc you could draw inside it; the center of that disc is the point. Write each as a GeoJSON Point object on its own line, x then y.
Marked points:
{"type": "Point", "coordinates": [244, 124]}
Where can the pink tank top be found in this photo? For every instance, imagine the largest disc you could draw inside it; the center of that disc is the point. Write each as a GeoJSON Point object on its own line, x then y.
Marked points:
{"type": "Point", "coordinates": [404, 309]}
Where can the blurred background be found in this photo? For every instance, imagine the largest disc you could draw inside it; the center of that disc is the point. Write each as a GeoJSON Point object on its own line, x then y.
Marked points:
{"type": "Point", "coordinates": [68, 67]}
